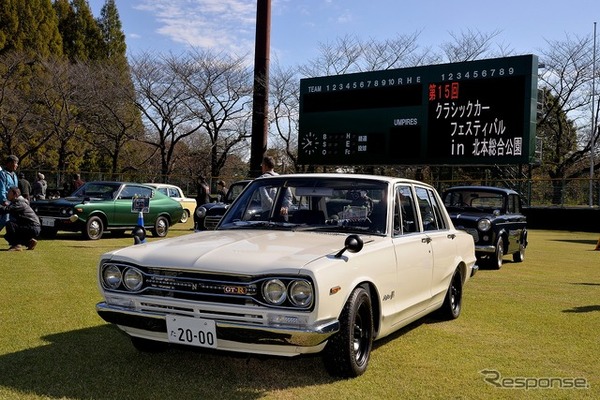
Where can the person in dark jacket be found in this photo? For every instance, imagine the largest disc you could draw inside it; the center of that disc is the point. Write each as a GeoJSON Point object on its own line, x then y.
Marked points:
{"type": "Point", "coordinates": [202, 197]}
{"type": "Point", "coordinates": [23, 226]}
{"type": "Point", "coordinates": [24, 186]}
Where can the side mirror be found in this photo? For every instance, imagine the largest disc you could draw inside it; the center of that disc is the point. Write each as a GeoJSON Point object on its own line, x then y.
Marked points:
{"type": "Point", "coordinates": [353, 244]}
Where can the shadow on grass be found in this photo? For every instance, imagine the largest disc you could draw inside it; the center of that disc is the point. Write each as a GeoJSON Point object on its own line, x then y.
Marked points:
{"type": "Point", "coordinates": [578, 241]}
{"type": "Point", "coordinates": [101, 363]}
{"type": "Point", "coordinates": [583, 309]}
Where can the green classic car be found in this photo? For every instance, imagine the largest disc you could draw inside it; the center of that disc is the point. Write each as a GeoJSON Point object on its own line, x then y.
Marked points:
{"type": "Point", "coordinates": [100, 206]}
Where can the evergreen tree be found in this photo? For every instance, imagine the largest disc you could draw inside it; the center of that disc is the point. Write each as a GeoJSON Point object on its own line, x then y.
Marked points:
{"type": "Point", "coordinates": [29, 26]}
{"type": "Point", "coordinates": [82, 38]}
{"type": "Point", "coordinates": [112, 34]}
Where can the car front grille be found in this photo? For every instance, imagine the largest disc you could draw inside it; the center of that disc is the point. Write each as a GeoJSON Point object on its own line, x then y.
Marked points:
{"type": "Point", "coordinates": [211, 221]}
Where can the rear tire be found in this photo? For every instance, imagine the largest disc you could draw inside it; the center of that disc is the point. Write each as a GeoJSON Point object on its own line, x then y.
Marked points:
{"type": "Point", "coordinates": [161, 227]}
{"type": "Point", "coordinates": [347, 352]}
{"type": "Point", "coordinates": [184, 217]}
{"type": "Point", "coordinates": [453, 302]}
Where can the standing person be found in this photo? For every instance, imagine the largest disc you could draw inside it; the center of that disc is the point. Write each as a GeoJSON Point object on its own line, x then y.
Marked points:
{"type": "Point", "coordinates": [24, 186]}
{"type": "Point", "coordinates": [23, 226]}
{"type": "Point", "coordinates": [38, 191]}
{"type": "Point", "coordinates": [221, 190]}
{"type": "Point", "coordinates": [268, 195]}
{"type": "Point", "coordinates": [268, 167]}
{"type": "Point", "coordinates": [202, 197]}
{"type": "Point", "coordinates": [77, 182]}
{"type": "Point", "coordinates": [8, 179]}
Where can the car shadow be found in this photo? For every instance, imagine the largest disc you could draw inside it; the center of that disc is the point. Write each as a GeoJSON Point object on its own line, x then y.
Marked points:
{"type": "Point", "coordinates": [583, 309]}
{"type": "Point", "coordinates": [101, 363]}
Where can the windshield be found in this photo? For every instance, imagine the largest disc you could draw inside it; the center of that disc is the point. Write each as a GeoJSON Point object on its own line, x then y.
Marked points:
{"type": "Point", "coordinates": [308, 203]}
{"type": "Point", "coordinates": [102, 190]}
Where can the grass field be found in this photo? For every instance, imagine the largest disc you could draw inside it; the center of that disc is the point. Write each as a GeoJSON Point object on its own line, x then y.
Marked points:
{"type": "Point", "coordinates": [531, 324]}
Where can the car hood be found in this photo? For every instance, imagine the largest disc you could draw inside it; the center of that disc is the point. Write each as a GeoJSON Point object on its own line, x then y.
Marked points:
{"type": "Point", "coordinates": [61, 202]}
{"type": "Point", "coordinates": [234, 251]}
{"type": "Point", "coordinates": [469, 216]}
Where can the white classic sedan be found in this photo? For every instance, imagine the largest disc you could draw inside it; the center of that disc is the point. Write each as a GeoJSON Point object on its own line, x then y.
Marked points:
{"type": "Point", "coordinates": [299, 264]}
{"type": "Point", "coordinates": [175, 192]}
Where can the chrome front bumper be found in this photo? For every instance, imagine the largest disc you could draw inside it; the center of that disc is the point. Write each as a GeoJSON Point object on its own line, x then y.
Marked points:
{"type": "Point", "coordinates": [232, 331]}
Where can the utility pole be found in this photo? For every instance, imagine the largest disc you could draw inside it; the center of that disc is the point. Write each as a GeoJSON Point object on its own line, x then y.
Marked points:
{"type": "Point", "coordinates": [260, 104]}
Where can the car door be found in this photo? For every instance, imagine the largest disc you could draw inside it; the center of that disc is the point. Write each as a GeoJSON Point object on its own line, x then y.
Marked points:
{"type": "Point", "coordinates": [124, 216]}
{"type": "Point", "coordinates": [413, 254]}
{"type": "Point", "coordinates": [439, 237]}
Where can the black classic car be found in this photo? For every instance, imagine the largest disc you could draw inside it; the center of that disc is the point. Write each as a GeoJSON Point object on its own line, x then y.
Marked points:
{"type": "Point", "coordinates": [493, 217]}
{"type": "Point", "coordinates": [207, 216]}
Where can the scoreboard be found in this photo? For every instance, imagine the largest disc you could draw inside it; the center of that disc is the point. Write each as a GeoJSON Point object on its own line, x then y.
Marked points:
{"type": "Point", "coordinates": [477, 112]}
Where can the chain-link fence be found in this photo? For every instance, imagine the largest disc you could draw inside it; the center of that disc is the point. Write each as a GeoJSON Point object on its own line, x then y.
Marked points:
{"type": "Point", "coordinates": [535, 191]}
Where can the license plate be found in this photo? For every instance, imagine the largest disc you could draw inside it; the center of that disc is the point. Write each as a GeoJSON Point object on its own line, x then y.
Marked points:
{"type": "Point", "coordinates": [47, 221]}
{"type": "Point", "coordinates": [192, 331]}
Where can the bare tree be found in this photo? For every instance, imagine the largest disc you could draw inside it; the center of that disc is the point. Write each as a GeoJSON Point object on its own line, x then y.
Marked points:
{"type": "Point", "coordinates": [164, 101]}
{"type": "Point", "coordinates": [472, 45]}
{"type": "Point", "coordinates": [21, 128]}
{"type": "Point", "coordinates": [109, 111]}
{"type": "Point", "coordinates": [220, 87]}
{"type": "Point", "coordinates": [565, 125]}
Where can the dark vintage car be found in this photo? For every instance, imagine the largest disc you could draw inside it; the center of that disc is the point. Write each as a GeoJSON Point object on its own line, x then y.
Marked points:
{"type": "Point", "coordinates": [493, 217]}
{"type": "Point", "coordinates": [99, 206]}
{"type": "Point", "coordinates": [207, 216]}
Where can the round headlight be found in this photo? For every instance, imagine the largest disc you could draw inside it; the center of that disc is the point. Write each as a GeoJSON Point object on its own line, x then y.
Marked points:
{"type": "Point", "coordinates": [200, 212]}
{"type": "Point", "coordinates": [484, 225]}
{"type": "Point", "coordinates": [133, 279]}
{"type": "Point", "coordinates": [111, 276]}
{"type": "Point", "coordinates": [274, 291]}
{"type": "Point", "coordinates": [301, 293]}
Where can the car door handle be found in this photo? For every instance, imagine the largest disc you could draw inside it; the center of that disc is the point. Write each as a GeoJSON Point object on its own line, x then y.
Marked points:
{"type": "Point", "coordinates": [426, 240]}
{"type": "Point", "coordinates": [451, 236]}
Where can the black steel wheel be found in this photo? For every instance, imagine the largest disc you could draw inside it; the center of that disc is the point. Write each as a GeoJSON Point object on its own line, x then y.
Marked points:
{"type": "Point", "coordinates": [453, 302]}
{"type": "Point", "coordinates": [347, 352]}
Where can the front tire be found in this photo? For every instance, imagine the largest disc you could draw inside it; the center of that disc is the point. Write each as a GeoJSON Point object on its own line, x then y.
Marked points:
{"type": "Point", "coordinates": [347, 353]}
{"type": "Point", "coordinates": [496, 259]}
{"type": "Point", "coordinates": [161, 227]}
{"type": "Point", "coordinates": [94, 228]}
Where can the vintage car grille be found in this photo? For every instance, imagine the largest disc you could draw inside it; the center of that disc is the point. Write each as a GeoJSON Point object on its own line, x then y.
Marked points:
{"type": "Point", "coordinates": [202, 287]}
{"type": "Point", "coordinates": [473, 232]}
{"type": "Point", "coordinates": [51, 211]}
{"type": "Point", "coordinates": [211, 221]}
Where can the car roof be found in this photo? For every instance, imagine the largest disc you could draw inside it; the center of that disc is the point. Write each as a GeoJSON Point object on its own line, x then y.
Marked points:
{"type": "Point", "coordinates": [483, 189]}
{"type": "Point", "coordinates": [381, 178]}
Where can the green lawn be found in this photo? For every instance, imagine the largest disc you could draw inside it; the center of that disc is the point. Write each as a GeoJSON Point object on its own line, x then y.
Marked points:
{"type": "Point", "coordinates": [527, 322]}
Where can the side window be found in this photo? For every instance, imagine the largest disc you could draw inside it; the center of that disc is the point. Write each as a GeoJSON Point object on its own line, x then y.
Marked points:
{"type": "Point", "coordinates": [431, 213]}
{"type": "Point", "coordinates": [405, 220]}
{"type": "Point", "coordinates": [513, 204]}
{"type": "Point", "coordinates": [129, 192]}
{"type": "Point", "coordinates": [163, 191]}
{"type": "Point", "coordinates": [173, 192]}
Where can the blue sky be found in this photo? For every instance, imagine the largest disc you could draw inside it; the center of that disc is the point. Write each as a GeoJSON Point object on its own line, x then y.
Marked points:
{"type": "Point", "coordinates": [298, 26]}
